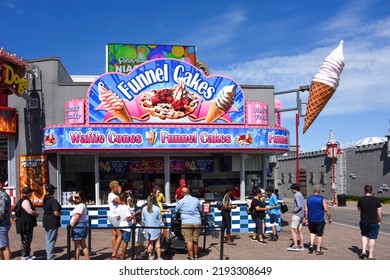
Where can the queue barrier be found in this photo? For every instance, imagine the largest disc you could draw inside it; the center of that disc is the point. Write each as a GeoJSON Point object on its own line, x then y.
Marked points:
{"type": "Point", "coordinates": [205, 226]}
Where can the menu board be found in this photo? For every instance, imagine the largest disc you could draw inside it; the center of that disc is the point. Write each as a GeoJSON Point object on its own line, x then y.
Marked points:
{"type": "Point", "coordinates": [123, 166]}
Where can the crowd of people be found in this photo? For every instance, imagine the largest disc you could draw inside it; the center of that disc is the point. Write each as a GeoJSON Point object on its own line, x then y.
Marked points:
{"type": "Point", "coordinates": [150, 222]}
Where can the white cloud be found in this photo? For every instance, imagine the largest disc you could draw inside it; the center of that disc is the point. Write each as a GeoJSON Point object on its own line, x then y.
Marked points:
{"type": "Point", "coordinates": [366, 70]}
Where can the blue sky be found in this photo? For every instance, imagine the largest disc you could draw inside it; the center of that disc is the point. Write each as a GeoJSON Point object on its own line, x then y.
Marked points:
{"type": "Point", "coordinates": [280, 43]}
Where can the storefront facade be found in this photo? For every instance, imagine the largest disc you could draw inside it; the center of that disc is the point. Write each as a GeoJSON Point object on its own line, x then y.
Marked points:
{"type": "Point", "coordinates": [87, 142]}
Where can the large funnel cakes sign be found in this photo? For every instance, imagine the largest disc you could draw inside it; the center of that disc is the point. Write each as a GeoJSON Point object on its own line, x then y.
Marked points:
{"type": "Point", "coordinates": [163, 91]}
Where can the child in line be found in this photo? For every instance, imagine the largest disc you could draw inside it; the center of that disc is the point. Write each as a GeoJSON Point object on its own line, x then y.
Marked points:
{"type": "Point", "coordinates": [126, 221]}
{"type": "Point", "coordinates": [139, 239]}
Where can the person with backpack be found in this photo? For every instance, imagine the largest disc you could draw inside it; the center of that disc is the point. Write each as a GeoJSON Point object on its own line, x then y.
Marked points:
{"type": "Point", "coordinates": [51, 220]}
{"type": "Point", "coordinates": [26, 220]}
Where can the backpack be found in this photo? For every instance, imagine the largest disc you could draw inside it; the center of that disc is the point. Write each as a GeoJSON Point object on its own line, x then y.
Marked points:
{"type": "Point", "coordinates": [220, 205]}
{"type": "Point", "coordinates": [18, 209]}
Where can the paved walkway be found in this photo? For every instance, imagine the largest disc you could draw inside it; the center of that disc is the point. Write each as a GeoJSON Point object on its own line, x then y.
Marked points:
{"type": "Point", "coordinates": [340, 243]}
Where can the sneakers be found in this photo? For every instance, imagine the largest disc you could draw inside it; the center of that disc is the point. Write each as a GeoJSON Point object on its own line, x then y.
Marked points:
{"type": "Point", "coordinates": [254, 239]}
{"type": "Point", "coordinates": [160, 259]}
{"type": "Point", "coordinates": [272, 238]}
{"type": "Point", "coordinates": [293, 248]}
{"type": "Point", "coordinates": [139, 257]}
{"type": "Point", "coordinates": [262, 242]}
{"type": "Point", "coordinates": [151, 258]}
{"type": "Point", "coordinates": [28, 258]}
{"type": "Point", "coordinates": [189, 258]}
{"type": "Point", "coordinates": [301, 248]}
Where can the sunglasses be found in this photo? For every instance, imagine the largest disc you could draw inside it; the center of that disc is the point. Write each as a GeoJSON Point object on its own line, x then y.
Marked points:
{"type": "Point", "coordinates": [76, 197]}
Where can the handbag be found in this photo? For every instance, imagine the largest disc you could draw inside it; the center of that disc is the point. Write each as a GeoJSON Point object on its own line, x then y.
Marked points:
{"type": "Point", "coordinates": [284, 208]}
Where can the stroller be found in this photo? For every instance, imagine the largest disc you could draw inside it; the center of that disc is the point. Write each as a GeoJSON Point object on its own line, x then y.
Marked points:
{"type": "Point", "coordinates": [176, 240]}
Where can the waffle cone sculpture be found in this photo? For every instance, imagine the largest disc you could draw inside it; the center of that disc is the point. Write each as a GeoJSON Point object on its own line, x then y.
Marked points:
{"type": "Point", "coordinates": [324, 85]}
{"type": "Point", "coordinates": [319, 95]}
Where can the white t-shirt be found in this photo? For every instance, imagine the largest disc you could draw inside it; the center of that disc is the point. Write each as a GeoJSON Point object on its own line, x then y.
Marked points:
{"type": "Point", "coordinates": [124, 211]}
{"type": "Point", "coordinates": [80, 209]}
{"type": "Point", "coordinates": [112, 205]}
{"type": "Point", "coordinates": [139, 234]}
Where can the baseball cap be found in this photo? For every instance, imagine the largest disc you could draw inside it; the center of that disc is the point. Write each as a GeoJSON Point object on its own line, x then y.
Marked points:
{"type": "Point", "coordinates": [27, 190]}
{"type": "Point", "coordinates": [183, 182]}
{"type": "Point", "coordinates": [50, 188]}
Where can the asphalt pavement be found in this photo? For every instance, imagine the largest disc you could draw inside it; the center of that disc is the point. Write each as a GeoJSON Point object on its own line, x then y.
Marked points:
{"type": "Point", "coordinates": [342, 241]}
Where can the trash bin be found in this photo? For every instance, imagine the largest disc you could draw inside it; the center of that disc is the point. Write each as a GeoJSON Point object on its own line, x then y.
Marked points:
{"type": "Point", "coordinates": [341, 200]}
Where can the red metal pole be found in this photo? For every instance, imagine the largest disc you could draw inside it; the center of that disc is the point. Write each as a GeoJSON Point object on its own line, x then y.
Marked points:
{"type": "Point", "coordinates": [297, 147]}
{"type": "Point", "coordinates": [333, 177]}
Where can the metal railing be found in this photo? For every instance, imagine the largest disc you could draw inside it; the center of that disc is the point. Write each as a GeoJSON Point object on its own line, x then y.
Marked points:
{"type": "Point", "coordinates": [205, 226]}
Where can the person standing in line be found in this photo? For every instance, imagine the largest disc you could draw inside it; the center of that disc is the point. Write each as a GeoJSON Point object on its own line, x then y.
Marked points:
{"type": "Point", "coordinates": [315, 208]}
{"type": "Point", "coordinates": [258, 209]}
{"type": "Point", "coordinates": [226, 215]}
{"type": "Point", "coordinates": [160, 199]}
{"type": "Point", "coordinates": [297, 219]}
{"type": "Point", "coordinates": [51, 220]}
{"type": "Point", "coordinates": [114, 218]}
{"type": "Point", "coordinates": [273, 207]}
{"type": "Point", "coordinates": [235, 194]}
{"type": "Point", "coordinates": [189, 208]}
{"type": "Point", "coordinates": [178, 192]}
{"type": "Point", "coordinates": [278, 196]}
{"type": "Point", "coordinates": [126, 222]}
{"type": "Point", "coordinates": [151, 217]}
{"type": "Point", "coordinates": [79, 219]}
{"type": "Point", "coordinates": [26, 222]}
{"type": "Point", "coordinates": [5, 222]}
{"type": "Point", "coordinates": [370, 219]}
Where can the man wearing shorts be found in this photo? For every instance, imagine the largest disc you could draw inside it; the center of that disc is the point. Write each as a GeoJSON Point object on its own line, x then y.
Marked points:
{"type": "Point", "coordinates": [5, 222]}
{"type": "Point", "coordinates": [297, 218]}
{"type": "Point", "coordinates": [189, 207]}
{"type": "Point", "coordinates": [314, 214]}
{"type": "Point", "coordinates": [370, 219]}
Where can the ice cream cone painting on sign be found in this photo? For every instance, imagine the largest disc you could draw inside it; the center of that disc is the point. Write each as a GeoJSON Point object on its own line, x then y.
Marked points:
{"type": "Point", "coordinates": [222, 103]}
{"type": "Point", "coordinates": [113, 104]}
{"type": "Point", "coordinates": [151, 136]}
{"type": "Point", "coordinates": [324, 84]}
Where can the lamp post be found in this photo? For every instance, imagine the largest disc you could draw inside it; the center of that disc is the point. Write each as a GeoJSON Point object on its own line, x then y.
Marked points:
{"type": "Point", "coordinates": [331, 146]}
{"type": "Point", "coordinates": [299, 114]}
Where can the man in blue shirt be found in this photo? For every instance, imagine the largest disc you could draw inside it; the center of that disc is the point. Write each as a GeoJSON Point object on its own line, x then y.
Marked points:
{"type": "Point", "coordinates": [189, 207]}
{"type": "Point", "coordinates": [273, 206]}
{"type": "Point", "coordinates": [315, 209]}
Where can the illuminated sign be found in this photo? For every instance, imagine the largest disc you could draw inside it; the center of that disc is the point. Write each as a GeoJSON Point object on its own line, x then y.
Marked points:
{"type": "Point", "coordinates": [165, 91]}
{"type": "Point", "coordinates": [74, 111]}
{"type": "Point", "coordinates": [165, 138]}
{"type": "Point", "coordinates": [124, 58]}
{"type": "Point", "coordinates": [8, 120]}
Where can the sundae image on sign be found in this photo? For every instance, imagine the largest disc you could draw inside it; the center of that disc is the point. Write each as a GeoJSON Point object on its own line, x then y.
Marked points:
{"type": "Point", "coordinates": [165, 90]}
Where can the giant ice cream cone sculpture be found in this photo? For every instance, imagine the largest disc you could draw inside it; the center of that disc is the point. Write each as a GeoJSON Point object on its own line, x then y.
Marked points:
{"type": "Point", "coordinates": [113, 104]}
{"type": "Point", "coordinates": [324, 85]}
{"type": "Point", "coordinates": [222, 103]}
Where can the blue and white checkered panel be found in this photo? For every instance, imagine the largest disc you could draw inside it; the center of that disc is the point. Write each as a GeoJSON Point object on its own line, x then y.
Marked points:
{"type": "Point", "coordinates": [241, 221]}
